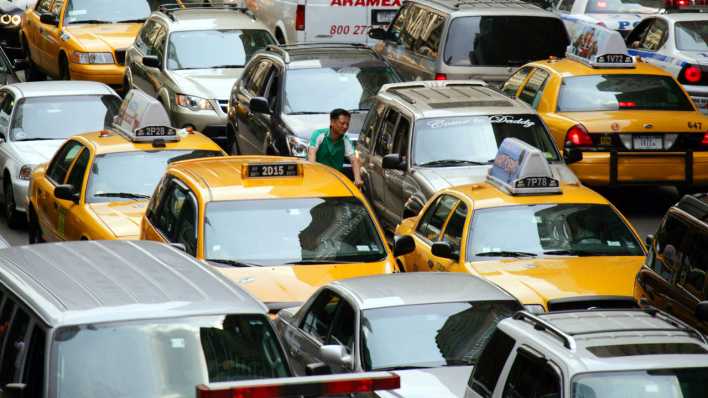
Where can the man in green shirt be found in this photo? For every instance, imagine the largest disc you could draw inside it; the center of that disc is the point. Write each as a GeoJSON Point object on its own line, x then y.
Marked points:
{"type": "Point", "coordinates": [330, 145]}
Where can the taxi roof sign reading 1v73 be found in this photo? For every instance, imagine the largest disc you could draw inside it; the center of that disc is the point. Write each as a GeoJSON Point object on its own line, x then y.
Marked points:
{"type": "Point", "coordinates": [598, 47]}
{"type": "Point", "coordinates": [142, 118]}
{"type": "Point", "coordinates": [522, 169]}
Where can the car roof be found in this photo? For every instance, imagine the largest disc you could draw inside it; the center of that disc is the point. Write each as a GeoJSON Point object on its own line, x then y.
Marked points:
{"type": "Point", "coordinates": [210, 19]}
{"type": "Point", "coordinates": [221, 179]}
{"type": "Point", "coordinates": [103, 281]}
{"type": "Point", "coordinates": [568, 67]}
{"type": "Point", "coordinates": [486, 7]}
{"type": "Point", "coordinates": [685, 16]}
{"type": "Point", "coordinates": [309, 55]}
{"type": "Point", "coordinates": [486, 195]}
{"type": "Point", "coordinates": [413, 288]}
{"type": "Point", "coordinates": [56, 88]}
{"type": "Point", "coordinates": [111, 141]}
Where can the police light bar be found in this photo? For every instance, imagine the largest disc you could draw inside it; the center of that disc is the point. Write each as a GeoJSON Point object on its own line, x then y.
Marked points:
{"type": "Point", "coordinates": [522, 169]}
{"type": "Point", "coordinates": [271, 169]}
{"type": "Point", "coordinates": [309, 386]}
{"type": "Point", "coordinates": [142, 118]}
{"type": "Point", "coordinates": [597, 46]}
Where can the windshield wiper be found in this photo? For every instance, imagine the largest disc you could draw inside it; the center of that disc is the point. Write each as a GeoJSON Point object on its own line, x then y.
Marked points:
{"type": "Point", "coordinates": [136, 20]}
{"type": "Point", "coordinates": [227, 66]}
{"type": "Point", "coordinates": [89, 21]}
{"type": "Point", "coordinates": [305, 113]}
{"type": "Point", "coordinates": [573, 253]}
{"type": "Point", "coordinates": [37, 139]}
{"type": "Point", "coordinates": [401, 368]}
{"type": "Point", "coordinates": [446, 162]}
{"type": "Point", "coordinates": [126, 195]}
{"type": "Point", "coordinates": [504, 253]}
{"type": "Point", "coordinates": [233, 262]}
{"type": "Point", "coordinates": [314, 261]}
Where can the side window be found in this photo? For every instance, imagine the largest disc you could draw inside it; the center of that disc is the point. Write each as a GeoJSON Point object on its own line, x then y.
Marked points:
{"type": "Point", "coordinates": [56, 8]}
{"type": "Point", "coordinates": [177, 216]}
{"type": "Point", "coordinates": [320, 315]}
{"type": "Point", "coordinates": [655, 36]}
{"type": "Point", "coordinates": [160, 41]}
{"type": "Point", "coordinates": [5, 316]}
{"type": "Point", "coordinates": [491, 362]}
{"type": "Point", "coordinates": [634, 40]}
{"type": "Point", "coordinates": [401, 20]}
{"type": "Point", "coordinates": [272, 87]}
{"type": "Point", "coordinates": [402, 138]}
{"type": "Point", "coordinates": [259, 77]}
{"type": "Point", "coordinates": [157, 198]}
{"type": "Point", "coordinates": [565, 5]}
{"type": "Point", "coordinates": [455, 227]}
{"type": "Point", "coordinates": [62, 161]}
{"type": "Point", "coordinates": [531, 93]}
{"type": "Point", "coordinates": [368, 132]}
{"type": "Point", "coordinates": [78, 171]}
{"type": "Point", "coordinates": [511, 87]}
{"type": "Point", "coordinates": [33, 375]}
{"type": "Point", "coordinates": [186, 230]}
{"type": "Point", "coordinates": [531, 378]}
{"type": "Point", "coordinates": [14, 346]}
{"type": "Point", "coordinates": [8, 102]}
{"type": "Point", "coordinates": [43, 6]}
{"type": "Point", "coordinates": [695, 263]}
{"type": "Point", "coordinates": [343, 326]}
{"type": "Point", "coordinates": [668, 255]}
{"type": "Point", "coordinates": [429, 38]}
{"type": "Point", "coordinates": [143, 39]}
{"type": "Point", "coordinates": [385, 138]}
{"type": "Point", "coordinates": [434, 218]}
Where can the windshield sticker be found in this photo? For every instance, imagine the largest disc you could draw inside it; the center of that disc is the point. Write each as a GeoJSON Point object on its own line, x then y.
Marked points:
{"type": "Point", "coordinates": [363, 248]}
{"type": "Point", "coordinates": [446, 123]}
{"type": "Point", "coordinates": [512, 120]}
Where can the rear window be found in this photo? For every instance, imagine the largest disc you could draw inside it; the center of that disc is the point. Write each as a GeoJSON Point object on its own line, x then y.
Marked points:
{"type": "Point", "coordinates": [503, 40]}
{"type": "Point", "coordinates": [616, 92]}
{"type": "Point", "coordinates": [692, 35]}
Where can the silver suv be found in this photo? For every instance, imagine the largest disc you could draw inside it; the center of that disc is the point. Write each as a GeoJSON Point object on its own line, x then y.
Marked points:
{"type": "Point", "coordinates": [189, 59]}
{"type": "Point", "coordinates": [592, 354]}
{"type": "Point", "coordinates": [420, 137]}
{"type": "Point", "coordinates": [469, 39]}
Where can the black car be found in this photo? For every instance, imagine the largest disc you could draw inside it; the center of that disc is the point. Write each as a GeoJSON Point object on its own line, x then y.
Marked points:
{"type": "Point", "coordinates": [10, 19]}
{"type": "Point", "coordinates": [286, 92]}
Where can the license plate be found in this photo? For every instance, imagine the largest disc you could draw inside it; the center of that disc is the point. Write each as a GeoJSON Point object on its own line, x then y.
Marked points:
{"type": "Point", "coordinates": [646, 142]}
{"type": "Point", "coordinates": [272, 170]}
{"type": "Point", "coordinates": [382, 17]}
{"type": "Point", "coordinates": [537, 182]}
{"type": "Point", "coordinates": [156, 131]}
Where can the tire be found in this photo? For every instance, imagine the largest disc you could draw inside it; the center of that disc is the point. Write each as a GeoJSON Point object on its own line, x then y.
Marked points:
{"type": "Point", "coordinates": [12, 216]}
{"type": "Point", "coordinates": [34, 232]}
{"type": "Point", "coordinates": [64, 71]}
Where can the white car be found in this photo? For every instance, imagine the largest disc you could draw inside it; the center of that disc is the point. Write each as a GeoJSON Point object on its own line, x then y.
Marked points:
{"type": "Point", "coordinates": [35, 119]}
{"type": "Point", "coordinates": [677, 43]}
{"type": "Point", "coordinates": [620, 15]}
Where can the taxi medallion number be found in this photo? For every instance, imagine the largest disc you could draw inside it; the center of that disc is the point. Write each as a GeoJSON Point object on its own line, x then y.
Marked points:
{"type": "Point", "coordinates": [537, 182]}
{"type": "Point", "coordinates": [648, 142]}
{"type": "Point", "coordinates": [272, 170]}
{"type": "Point", "coordinates": [615, 59]}
{"type": "Point", "coordinates": [156, 131]}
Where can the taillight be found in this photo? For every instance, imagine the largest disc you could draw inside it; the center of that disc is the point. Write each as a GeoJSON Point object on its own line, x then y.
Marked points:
{"type": "Point", "coordinates": [578, 136]}
{"type": "Point", "coordinates": [705, 139]}
{"type": "Point", "coordinates": [440, 76]}
{"type": "Point", "coordinates": [692, 74]}
{"type": "Point", "coordinates": [300, 17]}
{"type": "Point", "coordinates": [627, 104]}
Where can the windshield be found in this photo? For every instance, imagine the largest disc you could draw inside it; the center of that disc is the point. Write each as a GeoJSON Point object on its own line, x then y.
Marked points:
{"type": "Point", "coordinates": [504, 40]}
{"type": "Point", "coordinates": [550, 229]}
{"type": "Point", "coordinates": [106, 11]}
{"type": "Point", "coordinates": [475, 139]}
{"type": "Point", "coordinates": [692, 35]}
{"type": "Point", "coordinates": [621, 92]}
{"type": "Point", "coordinates": [282, 231]}
{"type": "Point", "coordinates": [58, 118]}
{"type": "Point", "coordinates": [133, 175]}
{"type": "Point", "coordinates": [624, 6]}
{"type": "Point", "coordinates": [351, 87]}
{"type": "Point", "coordinates": [659, 383]}
{"type": "Point", "coordinates": [207, 49]}
{"type": "Point", "coordinates": [446, 334]}
{"type": "Point", "coordinates": [164, 358]}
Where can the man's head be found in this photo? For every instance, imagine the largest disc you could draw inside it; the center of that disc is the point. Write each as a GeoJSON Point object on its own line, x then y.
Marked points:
{"type": "Point", "coordinates": [339, 122]}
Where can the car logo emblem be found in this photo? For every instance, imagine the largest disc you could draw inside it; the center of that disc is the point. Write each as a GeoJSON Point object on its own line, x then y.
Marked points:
{"type": "Point", "coordinates": [615, 126]}
{"type": "Point", "coordinates": [648, 126]}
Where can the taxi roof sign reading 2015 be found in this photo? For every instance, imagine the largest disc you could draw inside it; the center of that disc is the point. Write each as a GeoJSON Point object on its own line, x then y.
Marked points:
{"type": "Point", "coordinates": [142, 118]}
{"type": "Point", "coordinates": [598, 47]}
{"type": "Point", "coordinates": [522, 169]}
{"type": "Point", "coordinates": [270, 170]}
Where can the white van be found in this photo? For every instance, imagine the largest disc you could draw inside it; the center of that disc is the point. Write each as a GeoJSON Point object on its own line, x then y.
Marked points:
{"type": "Point", "coordinates": [297, 21]}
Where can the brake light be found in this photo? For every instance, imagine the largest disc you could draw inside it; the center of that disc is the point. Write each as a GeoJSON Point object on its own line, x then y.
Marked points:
{"type": "Point", "coordinates": [578, 136]}
{"type": "Point", "coordinates": [692, 74]}
{"type": "Point", "coordinates": [440, 76]}
{"type": "Point", "coordinates": [627, 104]}
{"type": "Point", "coordinates": [671, 4]}
{"type": "Point", "coordinates": [705, 139]}
{"type": "Point", "coordinates": [300, 17]}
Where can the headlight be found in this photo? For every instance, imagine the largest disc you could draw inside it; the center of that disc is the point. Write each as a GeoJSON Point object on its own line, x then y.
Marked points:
{"type": "Point", "coordinates": [26, 171]}
{"type": "Point", "coordinates": [535, 308]}
{"type": "Point", "coordinates": [92, 58]}
{"type": "Point", "coordinates": [298, 146]}
{"type": "Point", "coordinates": [193, 103]}
{"type": "Point", "coordinates": [7, 19]}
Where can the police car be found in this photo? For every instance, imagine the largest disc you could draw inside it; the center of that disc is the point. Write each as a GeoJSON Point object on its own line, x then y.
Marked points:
{"type": "Point", "coordinates": [677, 43]}
{"type": "Point", "coordinates": [620, 15]}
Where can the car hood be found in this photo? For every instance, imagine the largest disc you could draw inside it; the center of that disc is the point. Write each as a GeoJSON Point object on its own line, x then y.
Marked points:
{"type": "Point", "coordinates": [632, 121]}
{"type": "Point", "coordinates": [36, 152]}
{"type": "Point", "coordinates": [535, 281]}
{"type": "Point", "coordinates": [303, 125]}
{"type": "Point", "coordinates": [122, 218]}
{"type": "Point", "coordinates": [103, 37]}
{"type": "Point", "coordinates": [206, 83]}
{"type": "Point", "coordinates": [437, 178]}
{"type": "Point", "coordinates": [295, 283]}
{"type": "Point", "coordinates": [444, 382]}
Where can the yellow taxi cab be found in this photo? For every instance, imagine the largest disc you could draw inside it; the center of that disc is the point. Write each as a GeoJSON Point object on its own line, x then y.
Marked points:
{"type": "Point", "coordinates": [97, 184]}
{"type": "Point", "coordinates": [633, 122]}
{"type": "Point", "coordinates": [83, 39]}
{"type": "Point", "coordinates": [554, 246]}
{"type": "Point", "coordinates": [280, 227]}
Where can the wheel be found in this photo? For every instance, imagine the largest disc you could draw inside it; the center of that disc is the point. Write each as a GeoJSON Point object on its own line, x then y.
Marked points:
{"type": "Point", "coordinates": [34, 232]}
{"type": "Point", "coordinates": [231, 141]}
{"type": "Point", "coordinates": [13, 217]}
{"type": "Point", "coordinates": [64, 71]}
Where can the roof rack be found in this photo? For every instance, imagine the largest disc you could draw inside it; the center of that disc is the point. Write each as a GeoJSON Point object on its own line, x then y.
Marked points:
{"type": "Point", "coordinates": [282, 49]}
{"type": "Point", "coordinates": [540, 324]}
{"type": "Point", "coordinates": [396, 88]}
{"type": "Point", "coordinates": [182, 5]}
{"type": "Point", "coordinates": [457, 4]}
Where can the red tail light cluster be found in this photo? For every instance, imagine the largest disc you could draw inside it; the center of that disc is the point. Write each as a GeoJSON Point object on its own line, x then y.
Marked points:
{"type": "Point", "coordinates": [578, 136]}
{"type": "Point", "coordinates": [705, 139]}
{"type": "Point", "coordinates": [693, 75]}
{"type": "Point", "coordinates": [300, 17]}
{"type": "Point", "coordinates": [440, 76]}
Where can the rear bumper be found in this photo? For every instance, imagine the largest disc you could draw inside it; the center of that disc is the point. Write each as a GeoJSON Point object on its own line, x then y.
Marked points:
{"type": "Point", "coordinates": [642, 168]}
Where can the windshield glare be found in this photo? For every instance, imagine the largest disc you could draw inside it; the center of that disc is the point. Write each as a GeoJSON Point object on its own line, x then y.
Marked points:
{"type": "Point", "coordinates": [281, 231]}
{"type": "Point", "coordinates": [621, 92]}
{"type": "Point", "coordinates": [206, 49]}
{"type": "Point", "coordinates": [109, 11]}
{"type": "Point", "coordinates": [624, 6]}
{"type": "Point", "coordinates": [475, 138]}
{"type": "Point", "coordinates": [659, 383]}
{"type": "Point", "coordinates": [351, 87]}
{"type": "Point", "coordinates": [584, 230]}
{"type": "Point", "coordinates": [447, 334]}
{"type": "Point", "coordinates": [692, 35]}
{"type": "Point", "coordinates": [164, 358]}
{"type": "Point", "coordinates": [58, 118]}
{"type": "Point", "coordinates": [135, 172]}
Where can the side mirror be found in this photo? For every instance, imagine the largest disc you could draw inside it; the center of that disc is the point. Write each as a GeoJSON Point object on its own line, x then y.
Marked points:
{"type": "Point", "coordinates": [571, 155]}
{"type": "Point", "coordinates": [317, 369]}
{"type": "Point", "coordinates": [151, 61]}
{"type": "Point", "coordinates": [15, 390]}
{"type": "Point", "coordinates": [403, 245]}
{"type": "Point", "coordinates": [378, 34]}
{"type": "Point", "coordinates": [444, 250]}
{"type": "Point", "coordinates": [48, 19]}
{"type": "Point", "coordinates": [66, 192]}
{"type": "Point", "coordinates": [259, 105]}
{"type": "Point", "coordinates": [649, 240]}
{"type": "Point", "coordinates": [702, 311]}
{"type": "Point", "coordinates": [393, 161]}
{"type": "Point", "coordinates": [20, 64]}
{"type": "Point", "coordinates": [335, 354]}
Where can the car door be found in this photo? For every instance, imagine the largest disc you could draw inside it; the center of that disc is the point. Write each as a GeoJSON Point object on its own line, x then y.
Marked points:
{"type": "Point", "coordinates": [532, 376]}
{"type": "Point", "coordinates": [382, 147]}
{"type": "Point", "coordinates": [252, 85]}
{"type": "Point", "coordinates": [263, 123]}
{"type": "Point", "coordinates": [428, 230]}
{"type": "Point", "coordinates": [454, 233]}
{"type": "Point", "coordinates": [393, 49]}
{"type": "Point", "coordinates": [532, 92]}
{"type": "Point", "coordinates": [153, 76]}
{"type": "Point", "coordinates": [175, 217]}
{"type": "Point", "coordinates": [365, 145]}
{"type": "Point", "coordinates": [31, 28]}
{"type": "Point", "coordinates": [7, 103]}
{"type": "Point", "coordinates": [394, 179]}
{"type": "Point", "coordinates": [692, 281]}
{"type": "Point", "coordinates": [70, 224]}
{"type": "Point", "coordinates": [50, 40]}
{"type": "Point", "coordinates": [18, 326]}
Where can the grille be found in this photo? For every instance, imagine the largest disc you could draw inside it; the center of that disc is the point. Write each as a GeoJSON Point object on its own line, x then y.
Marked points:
{"type": "Point", "coordinates": [120, 56]}
{"type": "Point", "coordinates": [224, 105]}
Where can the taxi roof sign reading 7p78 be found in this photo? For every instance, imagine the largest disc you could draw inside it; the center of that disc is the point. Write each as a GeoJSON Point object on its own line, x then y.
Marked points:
{"type": "Point", "coordinates": [142, 118]}
{"type": "Point", "coordinates": [522, 169]}
{"type": "Point", "coordinates": [598, 47]}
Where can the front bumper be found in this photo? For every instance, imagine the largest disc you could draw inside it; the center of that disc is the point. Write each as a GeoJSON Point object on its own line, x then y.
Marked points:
{"type": "Point", "coordinates": [210, 123]}
{"type": "Point", "coordinates": [643, 168]}
{"type": "Point", "coordinates": [20, 189]}
{"type": "Point", "coordinates": [111, 75]}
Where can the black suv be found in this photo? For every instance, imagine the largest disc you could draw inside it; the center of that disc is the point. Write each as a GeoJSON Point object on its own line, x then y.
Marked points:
{"type": "Point", "coordinates": [673, 277]}
{"type": "Point", "coordinates": [286, 92]}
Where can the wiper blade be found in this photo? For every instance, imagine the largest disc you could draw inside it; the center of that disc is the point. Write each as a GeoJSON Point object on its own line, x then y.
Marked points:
{"type": "Point", "coordinates": [315, 261]}
{"type": "Point", "coordinates": [306, 113]}
{"type": "Point", "coordinates": [504, 253]}
{"type": "Point", "coordinates": [89, 21]}
{"type": "Point", "coordinates": [37, 139]}
{"type": "Point", "coordinates": [126, 195]}
{"type": "Point", "coordinates": [226, 66]}
{"type": "Point", "coordinates": [445, 162]}
{"type": "Point", "coordinates": [137, 20]}
{"type": "Point", "coordinates": [407, 367]}
{"type": "Point", "coordinates": [573, 253]}
{"type": "Point", "coordinates": [233, 262]}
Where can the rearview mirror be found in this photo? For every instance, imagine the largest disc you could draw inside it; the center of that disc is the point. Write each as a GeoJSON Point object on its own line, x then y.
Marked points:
{"type": "Point", "coordinates": [444, 250]}
{"type": "Point", "coordinates": [393, 161]}
{"type": "Point", "coordinates": [336, 354]}
{"type": "Point", "coordinates": [48, 19]}
{"type": "Point", "coordinates": [151, 61]}
{"type": "Point", "coordinates": [66, 192]}
{"type": "Point", "coordinates": [702, 311]}
{"type": "Point", "coordinates": [259, 105]}
{"type": "Point", "coordinates": [403, 245]}
{"type": "Point", "coordinates": [572, 155]}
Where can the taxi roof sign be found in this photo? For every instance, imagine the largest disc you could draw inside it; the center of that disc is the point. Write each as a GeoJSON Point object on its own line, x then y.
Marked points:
{"type": "Point", "coordinates": [143, 119]}
{"type": "Point", "coordinates": [522, 169]}
{"type": "Point", "coordinates": [598, 47]}
{"type": "Point", "coordinates": [271, 169]}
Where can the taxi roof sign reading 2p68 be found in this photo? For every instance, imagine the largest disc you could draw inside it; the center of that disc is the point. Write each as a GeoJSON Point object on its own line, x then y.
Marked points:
{"type": "Point", "coordinates": [142, 118]}
{"type": "Point", "coordinates": [522, 169]}
{"type": "Point", "coordinates": [598, 47]}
